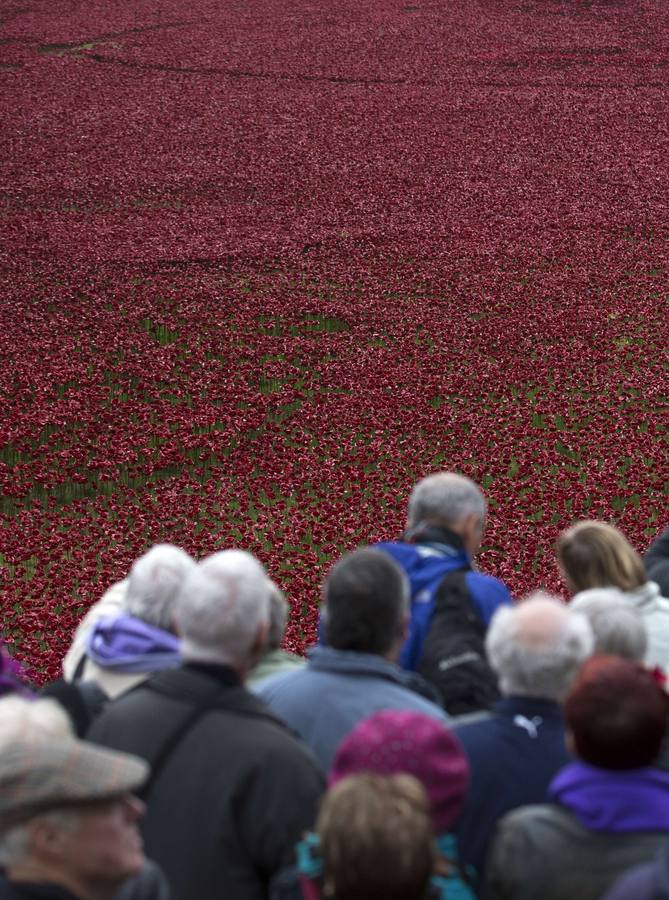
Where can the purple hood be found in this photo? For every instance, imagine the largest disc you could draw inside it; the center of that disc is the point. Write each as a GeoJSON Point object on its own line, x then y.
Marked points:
{"type": "Point", "coordinates": [123, 643]}
{"type": "Point", "coordinates": [614, 802]}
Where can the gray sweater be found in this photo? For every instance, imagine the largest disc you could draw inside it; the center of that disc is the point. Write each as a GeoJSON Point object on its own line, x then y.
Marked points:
{"type": "Point", "coordinates": [544, 851]}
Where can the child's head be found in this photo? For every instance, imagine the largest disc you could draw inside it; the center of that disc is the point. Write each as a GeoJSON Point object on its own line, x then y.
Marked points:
{"type": "Point", "coordinates": [376, 839]}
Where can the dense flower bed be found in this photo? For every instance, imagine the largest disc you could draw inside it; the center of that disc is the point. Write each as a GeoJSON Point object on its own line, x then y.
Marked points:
{"type": "Point", "coordinates": [264, 264]}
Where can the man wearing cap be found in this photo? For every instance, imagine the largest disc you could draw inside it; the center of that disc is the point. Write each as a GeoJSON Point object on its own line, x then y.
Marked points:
{"type": "Point", "coordinates": [68, 820]}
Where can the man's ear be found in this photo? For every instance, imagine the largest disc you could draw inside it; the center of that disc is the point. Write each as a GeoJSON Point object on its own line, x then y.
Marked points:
{"type": "Point", "coordinates": [45, 838]}
{"type": "Point", "coordinates": [260, 640]}
{"type": "Point", "coordinates": [472, 532]}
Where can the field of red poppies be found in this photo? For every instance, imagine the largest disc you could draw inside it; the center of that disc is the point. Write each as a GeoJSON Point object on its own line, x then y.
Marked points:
{"type": "Point", "coordinates": [266, 262]}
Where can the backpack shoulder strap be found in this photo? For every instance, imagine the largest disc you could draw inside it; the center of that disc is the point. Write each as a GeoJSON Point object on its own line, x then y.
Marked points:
{"type": "Point", "coordinates": [174, 737]}
{"type": "Point", "coordinates": [81, 665]}
{"type": "Point", "coordinates": [221, 697]}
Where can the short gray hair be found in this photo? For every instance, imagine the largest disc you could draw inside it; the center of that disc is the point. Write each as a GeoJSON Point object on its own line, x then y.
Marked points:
{"type": "Point", "coordinates": [15, 842]}
{"type": "Point", "coordinates": [154, 583]}
{"type": "Point", "coordinates": [445, 498]}
{"type": "Point", "coordinates": [537, 647]}
{"type": "Point", "coordinates": [618, 627]}
{"type": "Point", "coordinates": [221, 605]}
{"type": "Point", "coordinates": [278, 616]}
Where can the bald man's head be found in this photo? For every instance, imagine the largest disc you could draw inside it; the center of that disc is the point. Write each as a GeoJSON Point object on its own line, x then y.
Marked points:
{"type": "Point", "coordinates": [537, 647]}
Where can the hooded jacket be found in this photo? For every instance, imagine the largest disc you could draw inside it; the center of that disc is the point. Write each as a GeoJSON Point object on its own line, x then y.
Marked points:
{"type": "Point", "coordinates": [426, 561]}
{"type": "Point", "coordinates": [600, 824]}
{"type": "Point", "coordinates": [451, 607]}
{"type": "Point", "coordinates": [122, 651]}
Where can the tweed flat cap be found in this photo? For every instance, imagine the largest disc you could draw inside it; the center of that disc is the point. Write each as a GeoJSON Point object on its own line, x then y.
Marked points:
{"type": "Point", "coordinates": [36, 776]}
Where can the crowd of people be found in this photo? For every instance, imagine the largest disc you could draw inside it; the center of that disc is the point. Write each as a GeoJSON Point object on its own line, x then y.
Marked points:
{"type": "Point", "coordinates": [441, 739]}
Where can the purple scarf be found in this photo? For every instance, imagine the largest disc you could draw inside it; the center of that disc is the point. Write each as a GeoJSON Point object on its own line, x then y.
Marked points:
{"type": "Point", "coordinates": [123, 643]}
{"type": "Point", "coordinates": [613, 802]}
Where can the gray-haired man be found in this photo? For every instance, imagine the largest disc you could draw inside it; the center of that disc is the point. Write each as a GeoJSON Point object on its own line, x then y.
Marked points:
{"type": "Point", "coordinates": [451, 602]}
{"type": "Point", "coordinates": [232, 790]}
{"type": "Point", "coordinates": [536, 650]}
{"type": "Point", "coordinates": [68, 820]}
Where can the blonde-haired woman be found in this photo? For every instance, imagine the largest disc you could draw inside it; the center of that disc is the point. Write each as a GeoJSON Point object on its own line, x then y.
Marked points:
{"type": "Point", "coordinates": [594, 555]}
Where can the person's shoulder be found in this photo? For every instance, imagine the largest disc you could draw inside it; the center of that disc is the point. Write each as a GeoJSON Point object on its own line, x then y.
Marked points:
{"type": "Point", "coordinates": [273, 745]}
{"type": "Point", "coordinates": [129, 711]}
{"type": "Point", "coordinates": [647, 881]}
{"type": "Point", "coordinates": [144, 703]}
{"type": "Point", "coordinates": [662, 604]}
{"type": "Point", "coordinates": [401, 696]}
{"type": "Point", "coordinates": [401, 552]}
{"type": "Point", "coordinates": [282, 683]}
{"type": "Point", "coordinates": [483, 583]}
{"type": "Point", "coordinates": [474, 724]}
{"type": "Point", "coordinates": [540, 819]}
{"type": "Point", "coordinates": [276, 662]}
{"type": "Point", "coordinates": [488, 593]}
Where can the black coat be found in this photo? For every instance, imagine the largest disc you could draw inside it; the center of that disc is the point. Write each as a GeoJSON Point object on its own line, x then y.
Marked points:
{"type": "Point", "coordinates": [150, 884]}
{"type": "Point", "coordinates": [29, 891]}
{"type": "Point", "coordinates": [234, 794]}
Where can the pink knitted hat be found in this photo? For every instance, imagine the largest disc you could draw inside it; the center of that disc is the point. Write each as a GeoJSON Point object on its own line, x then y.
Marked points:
{"type": "Point", "coordinates": [393, 742]}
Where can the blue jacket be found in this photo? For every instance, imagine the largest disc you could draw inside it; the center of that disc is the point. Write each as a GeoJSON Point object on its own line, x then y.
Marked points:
{"type": "Point", "coordinates": [514, 753]}
{"type": "Point", "coordinates": [425, 563]}
{"type": "Point", "coordinates": [336, 689]}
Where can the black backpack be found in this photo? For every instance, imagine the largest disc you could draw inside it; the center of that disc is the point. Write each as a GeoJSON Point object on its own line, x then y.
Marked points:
{"type": "Point", "coordinates": [454, 658]}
